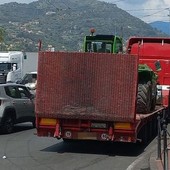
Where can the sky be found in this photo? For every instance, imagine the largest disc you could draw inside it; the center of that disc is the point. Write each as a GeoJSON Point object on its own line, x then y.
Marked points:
{"type": "Point", "coordinates": [146, 10]}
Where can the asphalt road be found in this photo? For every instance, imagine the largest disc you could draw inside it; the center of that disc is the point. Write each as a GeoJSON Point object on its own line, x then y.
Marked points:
{"type": "Point", "coordinates": [23, 150]}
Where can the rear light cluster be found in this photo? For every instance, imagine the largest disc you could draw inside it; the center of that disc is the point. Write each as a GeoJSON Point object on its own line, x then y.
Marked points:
{"type": "Point", "coordinates": [48, 122]}
{"type": "Point", "coordinates": [123, 126]}
{"type": "Point", "coordinates": [0, 102]}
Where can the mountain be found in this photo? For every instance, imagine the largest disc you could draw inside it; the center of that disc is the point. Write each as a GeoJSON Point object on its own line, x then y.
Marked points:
{"type": "Point", "coordinates": [164, 27]}
{"type": "Point", "coordinates": [64, 23]}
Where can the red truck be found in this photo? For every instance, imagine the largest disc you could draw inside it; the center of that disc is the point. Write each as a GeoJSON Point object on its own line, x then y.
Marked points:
{"type": "Point", "coordinates": [93, 96]}
{"type": "Point", "coordinates": [155, 52]}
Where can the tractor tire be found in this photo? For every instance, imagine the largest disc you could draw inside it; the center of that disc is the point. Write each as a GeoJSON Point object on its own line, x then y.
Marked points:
{"type": "Point", "coordinates": [144, 98]}
{"type": "Point", "coordinates": [154, 100]}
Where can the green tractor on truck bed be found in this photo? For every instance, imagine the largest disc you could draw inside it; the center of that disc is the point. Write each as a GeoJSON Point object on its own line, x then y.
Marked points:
{"type": "Point", "coordinates": [147, 89]}
{"type": "Point", "coordinates": [147, 78]}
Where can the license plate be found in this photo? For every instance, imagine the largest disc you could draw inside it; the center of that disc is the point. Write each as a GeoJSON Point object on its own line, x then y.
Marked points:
{"type": "Point", "coordinates": [87, 135]}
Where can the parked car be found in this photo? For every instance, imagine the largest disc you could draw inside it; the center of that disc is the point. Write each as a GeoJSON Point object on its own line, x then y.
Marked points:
{"type": "Point", "coordinates": [16, 106]}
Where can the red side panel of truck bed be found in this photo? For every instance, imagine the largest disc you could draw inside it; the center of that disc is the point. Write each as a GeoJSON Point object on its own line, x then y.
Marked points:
{"type": "Point", "coordinates": [151, 50]}
{"type": "Point", "coordinates": [86, 86]}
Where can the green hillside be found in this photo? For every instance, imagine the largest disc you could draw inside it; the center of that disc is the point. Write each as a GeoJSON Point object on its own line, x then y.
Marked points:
{"type": "Point", "coordinates": [63, 24]}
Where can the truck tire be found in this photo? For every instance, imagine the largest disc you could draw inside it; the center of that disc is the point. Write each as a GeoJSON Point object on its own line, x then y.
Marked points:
{"type": "Point", "coordinates": [144, 98]}
{"type": "Point", "coordinates": [8, 124]}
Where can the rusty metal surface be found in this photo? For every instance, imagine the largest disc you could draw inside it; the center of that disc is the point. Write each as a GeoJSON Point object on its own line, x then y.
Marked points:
{"type": "Point", "coordinates": [86, 86]}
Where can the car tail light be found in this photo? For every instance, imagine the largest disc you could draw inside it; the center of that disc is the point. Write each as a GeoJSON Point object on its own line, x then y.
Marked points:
{"type": "Point", "coordinates": [0, 102]}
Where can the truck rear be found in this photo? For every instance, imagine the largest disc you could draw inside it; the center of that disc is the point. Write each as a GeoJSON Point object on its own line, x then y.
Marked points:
{"type": "Point", "coordinates": [90, 96]}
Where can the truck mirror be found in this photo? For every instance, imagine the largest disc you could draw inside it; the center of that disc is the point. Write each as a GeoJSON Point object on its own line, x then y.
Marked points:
{"type": "Point", "coordinates": [25, 55]}
{"type": "Point", "coordinates": [158, 65]}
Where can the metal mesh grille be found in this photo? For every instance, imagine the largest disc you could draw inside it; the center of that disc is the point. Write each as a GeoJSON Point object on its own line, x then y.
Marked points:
{"type": "Point", "coordinates": [86, 86]}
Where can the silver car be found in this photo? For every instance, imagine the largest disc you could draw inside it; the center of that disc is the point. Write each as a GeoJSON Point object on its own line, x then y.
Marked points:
{"type": "Point", "coordinates": [16, 106]}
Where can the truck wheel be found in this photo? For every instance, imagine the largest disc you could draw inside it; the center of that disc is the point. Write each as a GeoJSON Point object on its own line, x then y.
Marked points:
{"type": "Point", "coordinates": [144, 98]}
{"type": "Point", "coordinates": [8, 125]}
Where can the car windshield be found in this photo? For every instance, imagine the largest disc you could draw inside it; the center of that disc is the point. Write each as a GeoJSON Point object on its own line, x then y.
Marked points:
{"type": "Point", "coordinates": [29, 78]}
{"type": "Point", "coordinates": [5, 66]}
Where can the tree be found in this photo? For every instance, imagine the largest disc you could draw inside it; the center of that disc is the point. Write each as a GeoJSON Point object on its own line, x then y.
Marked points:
{"type": "Point", "coordinates": [2, 32]}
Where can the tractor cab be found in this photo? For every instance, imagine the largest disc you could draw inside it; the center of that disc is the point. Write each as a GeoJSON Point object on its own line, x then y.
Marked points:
{"type": "Point", "coordinates": [103, 43]}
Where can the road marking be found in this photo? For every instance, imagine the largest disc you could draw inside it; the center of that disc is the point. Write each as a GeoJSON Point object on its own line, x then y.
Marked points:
{"type": "Point", "coordinates": [133, 164]}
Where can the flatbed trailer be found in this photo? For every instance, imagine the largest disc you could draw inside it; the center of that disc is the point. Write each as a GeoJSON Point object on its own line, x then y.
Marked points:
{"type": "Point", "coordinates": [90, 96]}
{"type": "Point", "coordinates": [142, 129]}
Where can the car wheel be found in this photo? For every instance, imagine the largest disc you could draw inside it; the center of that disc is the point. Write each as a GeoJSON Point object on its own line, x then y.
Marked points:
{"type": "Point", "coordinates": [8, 125]}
